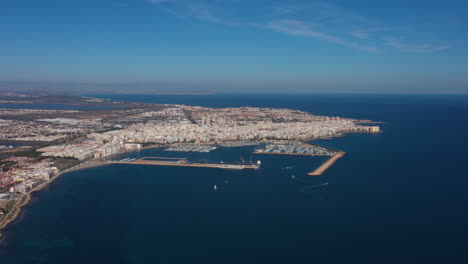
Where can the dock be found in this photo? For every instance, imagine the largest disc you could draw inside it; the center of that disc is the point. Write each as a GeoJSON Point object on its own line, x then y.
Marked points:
{"type": "Point", "coordinates": [162, 158]}
{"type": "Point", "coordinates": [182, 162]}
{"type": "Point", "coordinates": [325, 166]}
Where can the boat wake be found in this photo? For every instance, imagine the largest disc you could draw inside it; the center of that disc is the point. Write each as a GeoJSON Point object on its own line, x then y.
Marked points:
{"type": "Point", "coordinates": [312, 187]}
{"type": "Point", "coordinates": [310, 184]}
{"type": "Point", "coordinates": [300, 180]}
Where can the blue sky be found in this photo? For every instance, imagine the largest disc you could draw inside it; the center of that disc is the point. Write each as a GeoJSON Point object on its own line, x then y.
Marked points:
{"type": "Point", "coordinates": [238, 45]}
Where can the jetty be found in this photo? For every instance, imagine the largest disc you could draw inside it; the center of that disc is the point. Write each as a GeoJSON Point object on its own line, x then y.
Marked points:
{"type": "Point", "coordinates": [325, 166]}
{"type": "Point", "coordinates": [183, 162]}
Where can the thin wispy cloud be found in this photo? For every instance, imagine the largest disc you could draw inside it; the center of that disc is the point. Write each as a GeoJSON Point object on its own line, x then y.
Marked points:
{"type": "Point", "coordinates": [360, 34]}
{"type": "Point", "coordinates": [299, 28]}
{"type": "Point", "coordinates": [158, 1]}
{"type": "Point", "coordinates": [314, 20]}
{"type": "Point", "coordinates": [195, 9]}
{"type": "Point", "coordinates": [317, 11]}
{"type": "Point", "coordinates": [419, 48]}
{"type": "Point", "coordinates": [367, 33]}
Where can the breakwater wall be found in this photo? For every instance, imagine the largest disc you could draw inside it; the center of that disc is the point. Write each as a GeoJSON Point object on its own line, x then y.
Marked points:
{"type": "Point", "coordinates": [325, 166]}
{"type": "Point", "coordinates": [184, 163]}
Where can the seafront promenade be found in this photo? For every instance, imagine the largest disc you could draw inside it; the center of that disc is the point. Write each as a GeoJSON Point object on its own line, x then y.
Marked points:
{"type": "Point", "coordinates": [291, 154]}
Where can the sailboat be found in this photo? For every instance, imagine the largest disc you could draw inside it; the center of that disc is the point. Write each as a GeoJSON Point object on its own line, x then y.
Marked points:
{"type": "Point", "coordinates": [215, 187]}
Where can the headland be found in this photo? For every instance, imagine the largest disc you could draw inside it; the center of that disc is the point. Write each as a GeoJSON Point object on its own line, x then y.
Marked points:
{"type": "Point", "coordinates": [38, 145]}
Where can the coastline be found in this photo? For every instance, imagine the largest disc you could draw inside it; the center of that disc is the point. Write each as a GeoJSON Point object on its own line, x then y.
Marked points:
{"type": "Point", "coordinates": [15, 212]}
{"type": "Point", "coordinates": [167, 93]}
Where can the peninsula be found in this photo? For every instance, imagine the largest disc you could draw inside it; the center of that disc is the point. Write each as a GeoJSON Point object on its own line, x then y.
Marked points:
{"type": "Point", "coordinates": [37, 145]}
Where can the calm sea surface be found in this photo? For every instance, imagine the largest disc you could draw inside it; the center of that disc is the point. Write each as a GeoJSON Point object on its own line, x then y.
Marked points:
{"type": "Point", "coordinates": [397, 197]}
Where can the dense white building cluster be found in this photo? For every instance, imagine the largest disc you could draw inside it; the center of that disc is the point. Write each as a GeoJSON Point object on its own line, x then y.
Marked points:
{"type": "Point", "coordinates": [204, 133]}
{"type": "Point", "coordinates": [248, 115]}
{"type": "Point", "coordinates": [170, 124]}
{"type": "Point", "coordinates": [187, 124]}
{"type": "Point", "coordinates": [89, 149]}
{"type": "Point", "coordinates": [28, 174]}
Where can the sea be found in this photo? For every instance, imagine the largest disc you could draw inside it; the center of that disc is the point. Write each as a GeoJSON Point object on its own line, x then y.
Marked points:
{"type": "Point", "coordinates": [396, 197]}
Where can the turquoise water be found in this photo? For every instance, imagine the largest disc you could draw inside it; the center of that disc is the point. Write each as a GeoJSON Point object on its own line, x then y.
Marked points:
{"type": "Point", "coordinates": [399, 196]}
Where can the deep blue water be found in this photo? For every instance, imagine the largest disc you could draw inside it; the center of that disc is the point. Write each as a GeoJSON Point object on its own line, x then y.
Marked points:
{"type": "Point", "coordinates": [396, 197]}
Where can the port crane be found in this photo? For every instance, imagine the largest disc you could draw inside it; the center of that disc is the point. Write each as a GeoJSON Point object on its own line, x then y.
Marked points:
{"type": "Point", "coordinates": [243, 162]}
{"type": "Point", "coordinates": [242, 159]}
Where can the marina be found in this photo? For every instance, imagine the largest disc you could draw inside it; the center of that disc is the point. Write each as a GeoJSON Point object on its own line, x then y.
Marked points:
{"type": "Point", "coordinates": [233, 144]}
{"type": "Point", "coordinates": [303, 149]}
{"type": "Point", "coordinates": [296, 148]}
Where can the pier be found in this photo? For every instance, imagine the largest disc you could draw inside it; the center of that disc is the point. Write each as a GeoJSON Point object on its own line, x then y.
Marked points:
{"type": "Point", "coordinates": [325, 166]}
{"type": "Point", "coordinates": [182, 162]}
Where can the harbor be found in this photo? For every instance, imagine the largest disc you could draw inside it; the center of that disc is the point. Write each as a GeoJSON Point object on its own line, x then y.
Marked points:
{"type": "Point", "coordinates": [183, 162]}
{"type": "Point", "coordinates": [303, 149]}
{"type": "Point", "coordinates": [270, 148]}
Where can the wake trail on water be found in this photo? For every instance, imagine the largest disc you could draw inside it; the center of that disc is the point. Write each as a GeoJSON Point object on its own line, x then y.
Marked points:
{"type": "Point", "coordinates": [309, 187]}
{"type": "Point", "coordinates": [317, 185]}
{"type": "Point", "coordinates": [312, 187]}
{"type": "Point", "coordinates": [303, 181]}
